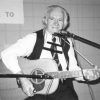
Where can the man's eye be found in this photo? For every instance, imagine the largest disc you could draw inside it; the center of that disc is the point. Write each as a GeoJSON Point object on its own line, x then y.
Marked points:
{"type": "Point", "coordinates": [60, 20]}
{"type": "Point", "coordinates": [51, 18]}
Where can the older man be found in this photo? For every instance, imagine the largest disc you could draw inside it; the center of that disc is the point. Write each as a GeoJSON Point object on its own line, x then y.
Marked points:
{"type": "Point", "coordinates": [33, 47]}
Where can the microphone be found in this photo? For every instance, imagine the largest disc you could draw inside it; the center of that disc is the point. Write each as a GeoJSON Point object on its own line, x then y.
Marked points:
{"type": "Point", "coordinates": [64, 34]}
{"type": "Point", "coordinates": [59, 35]}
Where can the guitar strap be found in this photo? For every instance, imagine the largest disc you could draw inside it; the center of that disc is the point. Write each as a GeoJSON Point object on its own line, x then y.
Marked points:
{"type": "Point", "coordinates": [55, 55]}
{"type": "Point", "coordinates": [65, 48]}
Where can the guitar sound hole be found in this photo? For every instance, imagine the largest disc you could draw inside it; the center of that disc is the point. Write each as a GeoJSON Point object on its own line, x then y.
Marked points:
{"type": "Point", "coordinates": [36, 80]}
{"type": "Point", "coordinates": [38, 83]}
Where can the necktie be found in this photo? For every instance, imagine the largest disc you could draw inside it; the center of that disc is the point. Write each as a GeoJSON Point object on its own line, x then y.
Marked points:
{"type": "Point", "coordinates": [55, 55]}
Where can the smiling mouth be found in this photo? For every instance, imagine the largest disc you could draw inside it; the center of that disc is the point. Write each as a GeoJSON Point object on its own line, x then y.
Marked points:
{"type": "Point", "coordinates": [56, 27]}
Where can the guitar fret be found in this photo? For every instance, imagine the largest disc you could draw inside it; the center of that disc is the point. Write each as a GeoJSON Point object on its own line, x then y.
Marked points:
{"type": "Point", "coordinates": [76, 73]}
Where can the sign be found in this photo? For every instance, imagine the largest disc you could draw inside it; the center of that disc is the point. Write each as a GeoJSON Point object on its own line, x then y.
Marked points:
{"type": "Point", "coordinates": [11, 12]}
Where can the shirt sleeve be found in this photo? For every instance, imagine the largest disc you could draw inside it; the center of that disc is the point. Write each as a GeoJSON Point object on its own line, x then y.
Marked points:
{"type": "Point", "coordinates": [23, 47]}
{"type": "Point", "coordinates": [72, 59]}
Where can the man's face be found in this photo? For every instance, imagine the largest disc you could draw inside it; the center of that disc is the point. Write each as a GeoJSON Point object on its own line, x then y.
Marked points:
{"type": "Point", "coordinates": [55, 21]}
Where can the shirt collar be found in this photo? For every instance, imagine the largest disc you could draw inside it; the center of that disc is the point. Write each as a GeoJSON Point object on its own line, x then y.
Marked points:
{"type": "Point", "coordinates": [48, 37]}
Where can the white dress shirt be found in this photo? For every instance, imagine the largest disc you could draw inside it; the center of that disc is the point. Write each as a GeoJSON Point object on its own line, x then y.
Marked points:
{"type": "Point", "coordinates": [24, 47]}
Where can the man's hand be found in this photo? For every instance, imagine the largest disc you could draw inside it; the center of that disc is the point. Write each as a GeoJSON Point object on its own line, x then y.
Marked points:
{"type": "Point", "coordinates": [27, 86]}
{"type": "Point", "coordinates": [91, 75]}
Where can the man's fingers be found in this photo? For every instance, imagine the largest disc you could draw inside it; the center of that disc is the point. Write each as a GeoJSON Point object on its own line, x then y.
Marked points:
{"type": "Point", "coordinates": [31, 92]}
{"type": "Point", "coordinates": [91, 74]}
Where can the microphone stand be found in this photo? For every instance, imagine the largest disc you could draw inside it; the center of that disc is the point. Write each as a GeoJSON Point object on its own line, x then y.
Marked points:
{"type": "Point", "coordinates": [68, 34]}
{"type": "Point", "coordinates": [89, 62]}
{"type": "Point", "coordinates": [84, 40]}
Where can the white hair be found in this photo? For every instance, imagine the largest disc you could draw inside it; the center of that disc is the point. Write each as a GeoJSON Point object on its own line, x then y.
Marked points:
{"type": "Point", "coordinates": [66, 15]}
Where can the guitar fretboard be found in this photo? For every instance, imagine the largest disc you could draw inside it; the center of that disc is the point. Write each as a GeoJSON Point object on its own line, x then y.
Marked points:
{"type": "Point", "coordinates": [69, 74]}
{"type": "Point", "coordinates": [65, 74]}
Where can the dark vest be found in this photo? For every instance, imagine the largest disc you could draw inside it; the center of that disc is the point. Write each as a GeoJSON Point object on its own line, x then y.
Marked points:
{"type": "Point", "coordinates": [67, 84]}
{"type": "Point", "coordinates": [39, 46]}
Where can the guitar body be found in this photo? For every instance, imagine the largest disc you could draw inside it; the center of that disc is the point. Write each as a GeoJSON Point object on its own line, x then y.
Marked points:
{"type": "Point", "coordinates": [40, 67]}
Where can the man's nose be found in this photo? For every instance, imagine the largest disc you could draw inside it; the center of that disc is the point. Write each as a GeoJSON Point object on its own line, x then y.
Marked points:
{"type": "Point", "coordinates": [56, 22]}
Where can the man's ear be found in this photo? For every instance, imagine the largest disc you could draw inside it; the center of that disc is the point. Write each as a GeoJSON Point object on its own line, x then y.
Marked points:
{"type": "Point", "coordinates": [44, 20]}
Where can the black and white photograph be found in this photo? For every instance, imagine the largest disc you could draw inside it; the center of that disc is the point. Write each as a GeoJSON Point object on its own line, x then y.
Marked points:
{"type": "Point", "coordinates": [49, 49]}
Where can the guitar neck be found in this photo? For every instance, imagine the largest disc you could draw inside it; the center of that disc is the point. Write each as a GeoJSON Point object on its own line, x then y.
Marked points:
{"type": "Point", "coordinates": [69, 74]}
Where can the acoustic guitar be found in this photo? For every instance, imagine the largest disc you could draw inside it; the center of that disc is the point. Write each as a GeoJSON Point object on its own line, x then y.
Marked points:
{"type": "Point", "coordinates": [46, 67]}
